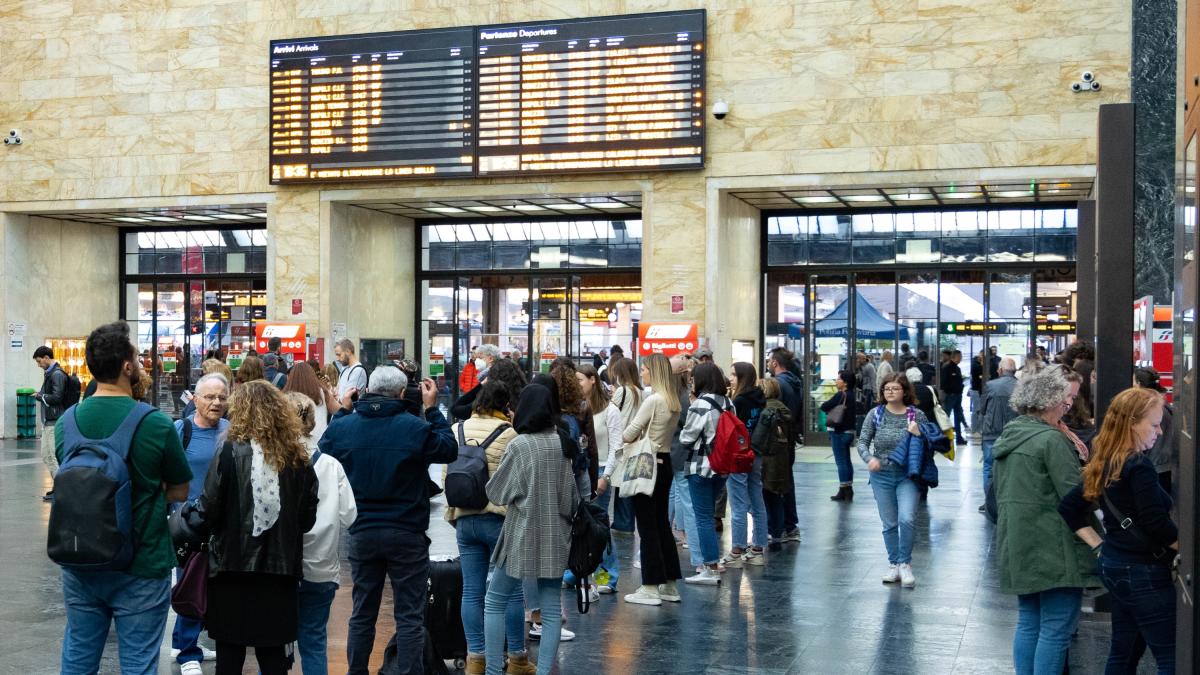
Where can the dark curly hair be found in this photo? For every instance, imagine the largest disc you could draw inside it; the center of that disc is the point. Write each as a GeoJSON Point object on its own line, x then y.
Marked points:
{"type": "Point", "coordinates": [107, 349]}
{"type": "Point", "coordinates": [570, 395]}
{"type": "Point", "coordinates": [504, 371]}
{"type": "Point", "coordinates": [493, 397]}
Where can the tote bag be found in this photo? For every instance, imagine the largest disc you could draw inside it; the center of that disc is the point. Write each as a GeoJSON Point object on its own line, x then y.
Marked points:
{"type": "Point", "coordinates": [639, 468]}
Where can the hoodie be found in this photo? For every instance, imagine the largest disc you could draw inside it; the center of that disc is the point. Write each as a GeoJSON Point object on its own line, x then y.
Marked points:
{"type": "Point", "coordinates": [749, 405]}
{"type": "Point", "coordinates": [1035, 467]}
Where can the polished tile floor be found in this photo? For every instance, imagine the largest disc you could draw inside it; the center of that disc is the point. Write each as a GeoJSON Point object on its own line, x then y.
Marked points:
{"type": "Point", "coordinates": [816, 607]}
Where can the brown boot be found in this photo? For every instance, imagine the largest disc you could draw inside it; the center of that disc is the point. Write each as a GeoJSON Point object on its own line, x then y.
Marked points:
{"type": "Point", "coordinates": [520, 665]}
{"type": "Point", "coordinates": [476, 664]}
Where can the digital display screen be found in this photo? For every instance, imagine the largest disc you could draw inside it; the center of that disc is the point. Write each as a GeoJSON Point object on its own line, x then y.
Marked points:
{"type": "Point", "coordinates": [621, 93]}
{"type": "Point", "coordinates": [373, 107]}
{"type": "Point", "coordinates": [608, 94]}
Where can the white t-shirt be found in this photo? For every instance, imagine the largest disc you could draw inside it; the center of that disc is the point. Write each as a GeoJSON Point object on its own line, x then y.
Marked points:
{"type": "Point", "coordinates": [353, 377]}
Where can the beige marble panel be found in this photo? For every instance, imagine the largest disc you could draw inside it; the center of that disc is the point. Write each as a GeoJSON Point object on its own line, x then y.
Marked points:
{"type": "Point", "coordinates": [371, 276]}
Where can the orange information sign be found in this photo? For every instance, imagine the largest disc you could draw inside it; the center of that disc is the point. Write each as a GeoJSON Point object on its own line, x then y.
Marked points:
{"type": "Point", "coordinates": [291, 336]}
{"type": "Point", "coordinates": [667, 339]}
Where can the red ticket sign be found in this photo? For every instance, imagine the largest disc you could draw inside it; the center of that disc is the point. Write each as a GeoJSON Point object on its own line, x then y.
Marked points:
{"type": "Point", "coordinates": [291, 336]}
{"type": "Point", "coordinates": [667, 339]}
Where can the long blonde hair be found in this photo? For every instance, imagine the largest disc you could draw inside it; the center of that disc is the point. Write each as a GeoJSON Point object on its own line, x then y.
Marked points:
{"type": "Point", "coordinates": [1117, 442]}
{"type": "Point", "coordinates": [661, 380]}
{"type": "Point", "coordinates": [258, 411]}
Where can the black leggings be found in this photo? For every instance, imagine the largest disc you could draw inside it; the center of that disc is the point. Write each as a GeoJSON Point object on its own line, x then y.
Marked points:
{"type": "Point", "coordinates": [230, 659]}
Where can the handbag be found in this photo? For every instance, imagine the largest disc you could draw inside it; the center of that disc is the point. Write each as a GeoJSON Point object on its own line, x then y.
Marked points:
{"type": "Point", "coordinates": [190, 596]}
{"type": "Point", "coordinates": [834, 417]}
{"type": "Point", "coordinates": [639, 469]}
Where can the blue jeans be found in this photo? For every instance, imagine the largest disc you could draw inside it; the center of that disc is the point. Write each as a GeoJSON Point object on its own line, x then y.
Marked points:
{"type": "Point", "coordinates": [623, 518]}
{"type": "Point", "coordinates": [896, 497]}
{"type": "Point", "coordinates": [495, 607]}
{"type": "Point", "coordinates": [953, 407]}
{"type": "Point", "coordinates": [704, 499]}
{"type": "Point", "coordinates": [477, 536]}
{"type": "Point", "coordinates": [746, 496]}
{"type": "Point", "coordinates": [841, 441]}
{"type": "Point", "coordinates": [402, 557]}
{"type": "Point", "coordinates": [311, 641]}
{"type": "Point", "coordinates": [987, 464]}
{"type": "Point", "coordinates": [1045, 623]}
{"type": "Point", "coordinates": [1143, 614]}
{"type": "Point", "coordinates": [686, 513]}
{"type": "Point", "coordinates": [94, 601]}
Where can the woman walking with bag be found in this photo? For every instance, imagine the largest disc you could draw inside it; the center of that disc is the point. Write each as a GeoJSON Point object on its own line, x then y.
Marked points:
{"type": "Point", "coordinates": [260, 497]}
{"type": "Point", "coordinates": [839, 421]}
{"type": "Point", "coordinates": [535, 483]}
{"type": "Point", "coordinates": [1135, 561]}
{"type": "Point", "coordinates": [895, 495]}
{"type": "Point", "coordinates": [745, 489]}
{"type": "Point", "coordinates": [647, 467]}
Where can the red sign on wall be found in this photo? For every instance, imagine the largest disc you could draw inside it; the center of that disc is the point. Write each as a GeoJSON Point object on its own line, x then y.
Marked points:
{"type": "Point", "coordinates": [297, 305]}
{"type": "Point", "coordinates": [291, 336]}
{"type": "Point", "coordinates": [667, 339]}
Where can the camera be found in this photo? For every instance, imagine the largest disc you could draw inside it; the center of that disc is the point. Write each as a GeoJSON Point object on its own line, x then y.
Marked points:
{"type": "Point", "coordinates": [13, 138]}
{"type": "Point", "coordinates": [1076, 86]}
{"type": "Point", "coordinates": [1095, 87]}
{"type": "Point", "coordinates": [1087, 76]}
{"type": "Point", "coordinates": [720, 110]}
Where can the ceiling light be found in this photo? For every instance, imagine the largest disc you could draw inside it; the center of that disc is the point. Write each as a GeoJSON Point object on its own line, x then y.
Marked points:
{"type": "Point", "coordinates": [566, 207]}
{"type": "Point", "coordinates": [485, 209]}
{"type": "Point", "coordinates": [911, 196]}
{"type": "Point", "coordinates": [528, 207]}
{"type": "Point", "coordinates": [445, 209]}
{"type": "Point", "coordinates": [162, 219]}
{"type": "Point", "coordinates": [607, 205]}
{"type": "Point", "coordinates": [815, 200]}
{"type": "Point", "coordinates": [863, 198]}
{"type": "Point", "coordinates": [1012, 193]}
{"type": "Point", "coordinates": [198, 218]}
{"type": "Point", "coordinates": [962, 195]}
{"type": "Point", "coordinates": [235, 216]}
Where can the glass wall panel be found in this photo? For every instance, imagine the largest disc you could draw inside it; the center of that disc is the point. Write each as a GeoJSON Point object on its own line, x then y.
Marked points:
{"type": "Point", "coordinates": [543, 244]}
{"type": "Point", "coordinates": [830, 321]}
{"type": "Point", "coordinates": [917, 314]}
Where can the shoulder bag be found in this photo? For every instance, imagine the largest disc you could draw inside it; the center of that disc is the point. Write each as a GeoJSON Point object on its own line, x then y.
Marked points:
{"type": "Point", "coordinates": [639, 466]}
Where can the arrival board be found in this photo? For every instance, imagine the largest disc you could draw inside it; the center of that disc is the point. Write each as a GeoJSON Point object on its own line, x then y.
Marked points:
{"type": "Point", "coordinates": [606, 94]}
{"type": "Point", "coordinates": [373, 107]}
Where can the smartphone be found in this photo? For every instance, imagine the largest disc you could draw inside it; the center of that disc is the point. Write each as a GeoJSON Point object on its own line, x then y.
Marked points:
{"type": "Point", "coordinates": [186, 397]}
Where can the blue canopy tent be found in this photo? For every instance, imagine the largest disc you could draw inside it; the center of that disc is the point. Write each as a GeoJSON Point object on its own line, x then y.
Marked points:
{"type": "Point", "coordinates": [869, 323]}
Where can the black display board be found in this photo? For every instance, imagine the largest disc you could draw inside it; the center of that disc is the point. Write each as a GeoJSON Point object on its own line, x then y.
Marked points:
{"type": "Point", "coordinates": [622, 93]}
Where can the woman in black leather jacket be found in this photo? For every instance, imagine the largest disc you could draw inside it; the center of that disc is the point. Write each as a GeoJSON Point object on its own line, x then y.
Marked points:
{"type": "Point", "coordinates": [260, 497]}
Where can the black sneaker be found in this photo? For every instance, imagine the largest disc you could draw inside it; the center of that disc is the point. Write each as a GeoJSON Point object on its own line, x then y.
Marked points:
{"type": "Point", "coordinates": [48, 497]}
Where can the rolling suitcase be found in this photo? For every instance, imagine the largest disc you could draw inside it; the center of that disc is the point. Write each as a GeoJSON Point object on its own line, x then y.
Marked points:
{"type": "Point", "coordinates": [443, 613]}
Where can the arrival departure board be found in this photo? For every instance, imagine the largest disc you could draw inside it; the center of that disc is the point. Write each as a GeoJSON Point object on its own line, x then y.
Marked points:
{"type": "Point", "coordinates": [373, 107]}
{"type": "Point", "coordinates": [622, 93]}
{"type": "Point", "coordinates": [608, 94]}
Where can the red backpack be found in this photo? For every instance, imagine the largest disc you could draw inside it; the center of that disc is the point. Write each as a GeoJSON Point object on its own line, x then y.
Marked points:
{"type": "Point", "coordinates": [730, 452]}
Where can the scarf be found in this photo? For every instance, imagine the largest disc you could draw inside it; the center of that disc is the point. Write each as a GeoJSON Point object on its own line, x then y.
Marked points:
{"type": "Point", "coordinates": [1080, 447]}
{"type": "Point", "coordinates": [264, 488]}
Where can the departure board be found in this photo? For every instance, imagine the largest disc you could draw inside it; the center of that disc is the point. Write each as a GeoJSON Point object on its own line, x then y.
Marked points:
{"type": "Point", "coordinates": [623, 93]}
{"type": "Point", "coordinates": [373, 107]}
{"type": "Point", "coordinates": [606, 94]}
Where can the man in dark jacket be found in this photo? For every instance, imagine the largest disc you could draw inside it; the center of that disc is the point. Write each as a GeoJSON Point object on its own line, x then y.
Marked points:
{"type": "Point", "coordinates": [995, 413]}
{"type": "Point", "coordinates": [386, 452]}
{"type": "Point", "coordinates": [928, 373]}
{"type": "Point", "coordinates": [274, 370]}
{"type": "Point", "coordinates": [791, 392]}
{"type": "Point", "coordinates": [952, 390]}
{"type": "Point", "coordinates": [52, 397]}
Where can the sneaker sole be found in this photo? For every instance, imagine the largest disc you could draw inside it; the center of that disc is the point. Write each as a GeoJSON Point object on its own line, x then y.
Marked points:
{"type": "Point", "coordinates": [648, 603]}
{"type": "Point", "coordinates": [891, 581]}
{"type": "Point", "coordinates": [908, 585]}
{"type": "Point", "coordinates": [757, 562]}
{"type": "Point", "coordinates": [704, 582]}
{"type": "Point", "coordinates": [672, 598]}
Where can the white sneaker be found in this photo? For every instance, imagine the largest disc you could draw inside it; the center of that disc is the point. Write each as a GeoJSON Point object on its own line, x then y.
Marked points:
{"type": "Point", "coordinates": [607, 590]}
{"type": "Point", "coordinates": [732, 559]}
{"type": "Point", "coordinates": [707, 577]}
{"type": "Point", "coordinates": [892, 575]}
{"type": "Point", "coordinates": [669, 592]}
{"type": "Point", "coordinates": [209, 654]}
{"type": "Point", "coordinates": [755, 558]}
{"type": "Point", "coordinates": [791, 535]}
{"type": "Point", "coordinates": [644, 596]}
{"type": "Point", "coordinates": [535, 633]}
{"type": "Point", "coordinates": [907, 580]}
{"type": "Point", "coordinates": [191, 668]}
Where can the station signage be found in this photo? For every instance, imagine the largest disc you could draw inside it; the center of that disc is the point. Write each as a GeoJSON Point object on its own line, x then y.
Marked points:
{"type": "Point", "coordinates": [972, 327]}
{"type": "Point", "coordinates": [1064, 327]}
{"type": "Point", "coordinates": [667, 339]}
{"type": "Point", "coordinates": [291, 335]}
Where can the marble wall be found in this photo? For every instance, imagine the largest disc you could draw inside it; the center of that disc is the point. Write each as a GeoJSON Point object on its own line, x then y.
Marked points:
{"type": "Point", "coordinates": [371, 281]}
{"type": "Point", "coordinates": [1153, 76]}
{"type": "Point", "coordinates": [60, 280]}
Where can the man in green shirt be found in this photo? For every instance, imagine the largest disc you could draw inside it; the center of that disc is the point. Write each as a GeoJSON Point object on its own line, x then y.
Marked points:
{"type": "Point", "coordinates": [137, 598]}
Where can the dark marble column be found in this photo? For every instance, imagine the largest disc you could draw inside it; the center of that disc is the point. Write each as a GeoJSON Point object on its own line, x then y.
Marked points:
{"type": "Point", "coordinates": [1153, 83]}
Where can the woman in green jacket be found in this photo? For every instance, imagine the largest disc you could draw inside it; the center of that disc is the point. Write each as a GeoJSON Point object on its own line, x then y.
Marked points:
{"type": "Point", "coordinates": [1040, 559]}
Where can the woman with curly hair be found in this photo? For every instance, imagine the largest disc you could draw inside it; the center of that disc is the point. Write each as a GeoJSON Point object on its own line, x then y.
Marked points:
{"type": "Point", "coordinates": [250, 370]}
{"type": "Point", "coordinates": [577, 413]}
{"type": "Point", "coordinates": [260, 497]}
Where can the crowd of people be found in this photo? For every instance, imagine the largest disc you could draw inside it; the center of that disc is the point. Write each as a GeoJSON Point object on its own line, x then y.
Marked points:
{"type": "Point", "coordinates": [270, 466]}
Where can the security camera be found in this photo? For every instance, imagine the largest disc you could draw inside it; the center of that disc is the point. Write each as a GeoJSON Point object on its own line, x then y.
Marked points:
{"type": "Point", "coordinates": [14, 133]}
{"type": "Point", "coordinates": [720, 110]}
{"type": "Point", "coordinates": [13, 137]}
{"type": "Point", "coordinates": [1076, 86]}
{"type": "Point", "coordinates": [17, 140]}
{"type": "Point", "coordinates": [1088, 76]}
{"type": "Point", "coordinates": [1095, 87]}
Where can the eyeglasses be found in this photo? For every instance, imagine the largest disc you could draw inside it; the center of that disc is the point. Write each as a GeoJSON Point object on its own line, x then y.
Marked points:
{"type": "Point", "coordinates": [894, 389]}
{"type": "Point", "coordinates": [213, 397]}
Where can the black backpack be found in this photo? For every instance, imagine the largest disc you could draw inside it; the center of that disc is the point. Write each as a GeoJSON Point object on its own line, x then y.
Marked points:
{"type": "Point", "coordinates": [467, 476]}
{"type": "Point", "coordinates": [772, 433]}
{"type": "Point", "coordinates": [590, 540]}
{"type": "Point", "coordinates": [71, 390]}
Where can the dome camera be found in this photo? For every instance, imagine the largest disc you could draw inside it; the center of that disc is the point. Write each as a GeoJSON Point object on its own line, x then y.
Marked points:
{"type": "Point", "coordinates": [1095, 87]}
{"type": "Point", "coordinates": [1087, 76]}
{"type": "Point", "coordinates": [1076, 86]}
{"type": "Point", "coordinates": [13, 137]}
{"type": "Point", "coordinates": [720, 110]}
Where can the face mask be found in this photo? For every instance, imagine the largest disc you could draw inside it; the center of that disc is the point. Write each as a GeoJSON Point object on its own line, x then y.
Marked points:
{"type": "Point", "coordinates": [480, 364]}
